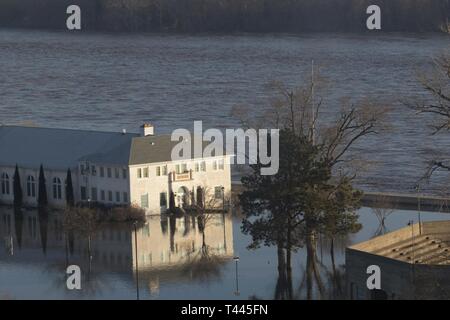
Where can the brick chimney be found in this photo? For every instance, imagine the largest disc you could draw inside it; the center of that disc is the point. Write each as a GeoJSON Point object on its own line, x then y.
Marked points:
{"type": "Point", "coordinates": [147, 129]}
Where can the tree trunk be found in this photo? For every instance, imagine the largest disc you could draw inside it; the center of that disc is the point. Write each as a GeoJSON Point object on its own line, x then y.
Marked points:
{"type": "Point", "coordinates": [312, 269]}
{"type": "Point", "coordinates": [279, 289]}
{"type": "Point", "coordinates": [333, 265]}
{"type": "Point", "coordinates": [288, 248]}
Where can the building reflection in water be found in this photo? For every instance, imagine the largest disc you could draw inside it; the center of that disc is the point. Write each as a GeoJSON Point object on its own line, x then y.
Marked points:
{"type": "Point", "coordinates": [182, 248]}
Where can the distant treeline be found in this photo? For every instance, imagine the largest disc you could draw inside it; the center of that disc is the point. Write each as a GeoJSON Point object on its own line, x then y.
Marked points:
{"type": "Point", "coordinates": [228, 15]}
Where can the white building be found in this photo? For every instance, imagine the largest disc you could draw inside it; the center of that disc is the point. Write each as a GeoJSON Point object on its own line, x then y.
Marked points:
{"type": "Point", "coordinates": [108, 168]}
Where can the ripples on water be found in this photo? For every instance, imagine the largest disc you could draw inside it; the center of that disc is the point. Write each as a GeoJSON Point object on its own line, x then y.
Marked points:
{"type": "Point", "coordinates": [172, 263]}
{"type": "Point", "coordinates": [110, 82]}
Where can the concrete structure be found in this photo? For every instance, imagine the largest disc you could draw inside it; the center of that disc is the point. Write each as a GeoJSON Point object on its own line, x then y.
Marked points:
{"type": "Point", "coordinates": [108, 168]}
{"type": "Point", "coordinates": [414, 263]}
{"type": "Point", "coordinates": [406, 201]}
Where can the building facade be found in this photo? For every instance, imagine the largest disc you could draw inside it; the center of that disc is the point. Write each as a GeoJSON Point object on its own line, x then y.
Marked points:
{"type": "Point", "coordinates": [108, 168]}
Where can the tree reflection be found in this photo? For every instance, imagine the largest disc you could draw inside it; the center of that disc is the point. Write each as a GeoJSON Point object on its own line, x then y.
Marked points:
{"type": "Point", "coordinates": [18, 223]}
{"type": "Point", "coordinates": [335, 276]}
{"type": "Point", "coordinates": [382, 210]}
{"type": "Point", "coordinates": [336, 283]}
{"type": "Point", "coordinates": [101, 247]}
{"type": "Point", "coordinates": [283, 288]}
{"type": "Point", "coordinates": [43, 227]}
{"type": "Point", "coordinates": [202, 264]}
{"type": "Point", "coordinates": [163, 222]}
{"type": "Point", "coordinates": [187, 225]}
{"type": "Point", "coordinates": [172, 231]}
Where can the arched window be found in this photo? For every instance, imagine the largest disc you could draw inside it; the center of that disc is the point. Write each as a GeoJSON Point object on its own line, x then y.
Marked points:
{"type": "Point", "coordinates": [57, 188]}
{"type": "Point", "coordinates": [5, 183]}
{"type": "Point", "coordinates": [31, 187]}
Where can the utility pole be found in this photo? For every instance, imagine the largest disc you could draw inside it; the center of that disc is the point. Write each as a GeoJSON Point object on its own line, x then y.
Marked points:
{"type": "Point", "coordinates": [412, 251]}
{"type": "Point", "coordinates": [136, 254]}
{"type": "Point", "coordinates": [419, 209]}
{"type": "Point", "coordinates": [236, 260]}
{"type": "Point", "coordinates": [313, 129]}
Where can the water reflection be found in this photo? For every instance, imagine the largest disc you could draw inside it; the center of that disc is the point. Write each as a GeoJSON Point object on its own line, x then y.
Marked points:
{"type": "Point", "coordinates": [177, 259]}
{"type": "Point", "coordinates": [173, 248]}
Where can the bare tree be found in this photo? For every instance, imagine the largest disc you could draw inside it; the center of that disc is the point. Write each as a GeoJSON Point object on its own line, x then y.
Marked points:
{"type": "Point", "coordinates": [299, 109]}
{"type": "Point", "coordinates": [207, 208]}
{"type": "Point", "coordinates": [382, 208]}
{"type": "Point", "coordinates": [437, 84]}
{"type": "Point", "coordinates": [320, 144]}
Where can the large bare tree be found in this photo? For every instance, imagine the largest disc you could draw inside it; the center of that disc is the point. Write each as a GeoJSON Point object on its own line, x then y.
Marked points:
{"type": "Point", "coordinates": [436, 105]}
{"type": "Point", "coordinates": [316, 169]}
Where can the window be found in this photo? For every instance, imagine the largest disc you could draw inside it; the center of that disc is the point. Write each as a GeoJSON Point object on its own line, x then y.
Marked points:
{"type": "Point", "coordinates": [163, 199]}
{"type": "Point", "coordinates": [177, 168]}
{"type": "Point", "coordinates": [94, 194]}
{"type": "Point", "coordinates": [125, 197]}
{"type": "Point", "coordinates": [32, 227]}
{"type": "Point", "coordinates": [124, 173]}
{"type": "Point", "coordinates": [102, 172]}
{"type": "Point", "coordinates": [218, 192]}
{"type": "Point", "coordinates": [184, 168]}
{"type": "Point", "coordinates": [5, 183]}
{"type": "Point", "coordinates": [146, 230]}
{"type": "Point", "coordinates": [215, 165]}
{"type": "Point", "coordinates": [7, 223]}
{"type": "Point", "coordinates": [83, 193]}
{"type": "Point", "coordinates": [102, 195]}
{"type": "Point", "coordinates": [110, 196]}
{"type": "Point", "coordinates": [93, 170]}
{"type": "Point", "coordinates": [221, 164]}
{"type": "Point", "coordinates": [117, 173]}
{"type": "Point", "coordinates": [197, 167]}
{"type": "Point", "coordinates": [203, 166]}
{"type": "Point", "coordinates": [139, 173]}
{"type": "Point", "coordinates": [164, 170]}
{"type": "Point", "coordinates": [144, 201]}
{"type": "Point", "coordinates": [158, 171]}
{"type": "Point", "coordinates": [31, 187]}
{"type": "Point", "coordinates": [109, 170]}
{"type": "Point", "coordinates": [145, 172]}
{"type": "Point", "coordinates": [117, 196]}
{"type": "Point", "coordinates": [57, 189]}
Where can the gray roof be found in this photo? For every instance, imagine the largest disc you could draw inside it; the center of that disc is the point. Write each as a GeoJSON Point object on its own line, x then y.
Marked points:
{"type": "Point", "coordinates": [61, 148]}
{"type": "Point", "coordinates": [153, 149]}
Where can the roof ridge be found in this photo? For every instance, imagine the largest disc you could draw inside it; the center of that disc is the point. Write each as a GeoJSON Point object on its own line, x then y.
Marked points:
{"type": "Point", "coordinates": [68, 129]}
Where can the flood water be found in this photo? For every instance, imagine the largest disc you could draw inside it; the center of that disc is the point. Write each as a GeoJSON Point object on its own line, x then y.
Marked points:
{"type": "Point", "coordinates": [173, 260]}
{"type": "Point", "coordinates": [115, 81]}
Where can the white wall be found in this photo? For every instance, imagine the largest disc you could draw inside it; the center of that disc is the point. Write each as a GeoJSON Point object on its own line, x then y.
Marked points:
{"type": "Point", "coordinates": [133, 186]}
{"type": "Point", "coordinates": [32, 201]}
{"type": "Point", "coordinates": [154, 185]}
{"type": "Point", "coordinates": [106, 184]}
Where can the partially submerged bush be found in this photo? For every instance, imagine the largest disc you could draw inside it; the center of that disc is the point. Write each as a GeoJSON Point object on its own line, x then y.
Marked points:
{"type": "Point", "coordinates": [87, 220]}
{"type": "Point", "coordinates": [81, 220]}
{"type": "Point", "coordinates": [126, 214]}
